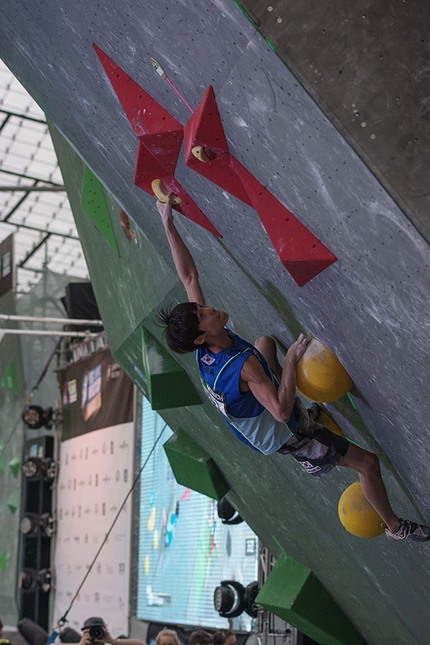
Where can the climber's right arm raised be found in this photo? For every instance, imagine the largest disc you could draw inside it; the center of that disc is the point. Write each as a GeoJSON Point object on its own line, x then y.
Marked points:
{"type": "Point", "coordinates": [184, 262]}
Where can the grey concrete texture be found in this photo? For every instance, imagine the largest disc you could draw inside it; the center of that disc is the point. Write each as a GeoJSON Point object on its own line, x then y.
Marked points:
{"type": "Point", "coordinates": [367, 64]}
{"type": "Point", "coordinates": [371, 308]}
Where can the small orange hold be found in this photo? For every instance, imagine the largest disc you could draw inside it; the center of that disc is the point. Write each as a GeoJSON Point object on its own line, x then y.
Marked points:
{"type": "Point", "coordinates": [125, 225]}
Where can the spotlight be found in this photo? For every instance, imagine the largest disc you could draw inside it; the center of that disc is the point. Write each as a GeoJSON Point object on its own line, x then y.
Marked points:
{"type": "Point", "coordinates": [27, 580]}
{"type": "Point", "coordinates": [227, 513]}
{"type": "Point", "coordinates": [44, 579]}
{"type": "Point", "coordinates": [49, 468]}
{"type": "Point", "coordinates": [35, 465]}
{"type": "Point", "coordinates": [35, 417]}
{"type": "Point", "coordinates": [231, 598]}
{"type": "Point", "coordinates": [29, 524]}
{"type": "Point", "coordinates": [47, 525]}
{"type": "Point", "coordinates": [32, 522]}
{"type": "Point", "coordinates": [251, 592]}
{"type": "Point", "coordinates": [30, 468]}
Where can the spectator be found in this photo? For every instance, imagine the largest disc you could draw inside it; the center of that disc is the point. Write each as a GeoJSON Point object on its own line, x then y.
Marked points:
{"type": "Point", "coordinates": [224, 637]}
{"type": "Point", "coordinates": [167, 637]}
{"type": "Point", "coordinates": [2, 640]}
{"type": "Point", "coordinates": [95, 632]}
{"type": "Point", "coordinates": [200, 637]}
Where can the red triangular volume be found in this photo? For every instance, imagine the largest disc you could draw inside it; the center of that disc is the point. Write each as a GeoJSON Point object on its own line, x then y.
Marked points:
{"type": "Point", "coordinates": [148, 168]}
{"type": "Point", "coordinates": [147, 118]}
{"type": "Point", "coordinates": [301, 253]}
{"type": "Point", "coordinates": [205, 129]}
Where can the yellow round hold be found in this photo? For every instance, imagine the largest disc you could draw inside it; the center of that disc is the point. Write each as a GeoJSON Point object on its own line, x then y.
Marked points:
{"type": "Point", "coordinates": [357, 515]}
{"type": "Point", "coordinates": [319, 375]}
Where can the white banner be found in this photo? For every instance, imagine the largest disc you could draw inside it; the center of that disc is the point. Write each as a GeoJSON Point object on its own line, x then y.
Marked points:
{"type": "Point", "coordinates": [96, 473]}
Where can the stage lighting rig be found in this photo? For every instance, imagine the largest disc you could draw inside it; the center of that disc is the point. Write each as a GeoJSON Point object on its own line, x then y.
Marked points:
{"type": "Point", "coordinates": [35, 465]}
{"type": "Point", "coordinates": [227, 513]}
{"type": "Point", "coordinates": [35, 417]}
{"type": "Point", "coordinates": [31, 523]}
{"type": "Point", "coordinates": [231, 598]}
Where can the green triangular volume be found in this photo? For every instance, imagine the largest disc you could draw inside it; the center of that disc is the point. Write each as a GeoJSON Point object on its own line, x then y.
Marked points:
{"type": "Point", "coordinates": [13, 501]}
{"type": "Point", "coordinates": [94, 204]}
{"type": "Point", "coordinates": [3, 560]}
{"type": "Point", "coordinates": [14, 465]}
{"type": "Point", "coordinates": [9, 378]}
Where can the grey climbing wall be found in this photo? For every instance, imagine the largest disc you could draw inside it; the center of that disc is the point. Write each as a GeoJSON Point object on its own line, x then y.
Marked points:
{"type": "Point", "coordinates": [371, 307]}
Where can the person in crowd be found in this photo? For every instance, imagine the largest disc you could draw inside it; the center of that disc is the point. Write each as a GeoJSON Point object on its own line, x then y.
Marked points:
{"type": "Point", "coordinates": [95, 632]}
{"type": "Point", "coordinates": [200, 637]}
{"type": "Point", "coordinates": [3, 641]}
{"type": "Point", "coordinates": [167, 637]}
{"type": "Point", "coordinates": [224, 637]}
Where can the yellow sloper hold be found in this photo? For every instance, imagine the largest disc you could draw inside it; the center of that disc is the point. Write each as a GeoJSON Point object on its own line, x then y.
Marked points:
{"type": "Point", "coordinates": [161, 192]}
{"type": "Point", "coordinates": [357, 515]}
{"type": "Point", "coordinates": [326, 421]}
{"type": "Point", "coordinates": [320, 377]}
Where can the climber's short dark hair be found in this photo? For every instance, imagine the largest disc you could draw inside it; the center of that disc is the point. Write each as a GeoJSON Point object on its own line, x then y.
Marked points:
{"type": "Point", "coordinates": [181, 326]}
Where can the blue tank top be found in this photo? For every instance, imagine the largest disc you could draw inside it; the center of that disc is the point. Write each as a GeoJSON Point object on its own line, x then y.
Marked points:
{"type": "Point", "coordinates": [251, 422]}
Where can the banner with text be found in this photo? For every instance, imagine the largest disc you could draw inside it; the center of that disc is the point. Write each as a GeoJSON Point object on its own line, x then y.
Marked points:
{"type": "Point", "coordinates": [94, 478]}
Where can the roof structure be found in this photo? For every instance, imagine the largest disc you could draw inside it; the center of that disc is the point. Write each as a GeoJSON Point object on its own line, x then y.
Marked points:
{"type": "Point", "coordinates": [33, 200]}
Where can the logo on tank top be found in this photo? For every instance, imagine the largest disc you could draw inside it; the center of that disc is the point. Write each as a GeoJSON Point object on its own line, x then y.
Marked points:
{"type": "Point", "coordinates": [208, 360]}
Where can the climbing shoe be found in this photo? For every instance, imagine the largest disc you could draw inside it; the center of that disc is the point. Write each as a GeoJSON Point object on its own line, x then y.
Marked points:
{"type": "Point", "coordinates": [410, 531]}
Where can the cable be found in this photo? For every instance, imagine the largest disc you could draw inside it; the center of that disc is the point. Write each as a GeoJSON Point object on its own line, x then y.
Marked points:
{"type": "Point", "coordinates": [43, 373]}
{"type": "Point", "coordinates": [63, 620]}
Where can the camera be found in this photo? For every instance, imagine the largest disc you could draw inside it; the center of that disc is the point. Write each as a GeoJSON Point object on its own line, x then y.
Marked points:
{"type": "Point", "coordinates": [96, 632]}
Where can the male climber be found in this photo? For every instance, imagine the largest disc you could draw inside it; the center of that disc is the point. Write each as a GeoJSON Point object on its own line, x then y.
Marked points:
{"type": "Point", "coordinates": [257, 397]}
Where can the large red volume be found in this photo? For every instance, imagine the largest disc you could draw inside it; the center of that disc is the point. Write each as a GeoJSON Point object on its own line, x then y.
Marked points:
{"type": "Point", "coordinates": [160, 139]}
{"type": "Point", "coordinates": [301, 253]}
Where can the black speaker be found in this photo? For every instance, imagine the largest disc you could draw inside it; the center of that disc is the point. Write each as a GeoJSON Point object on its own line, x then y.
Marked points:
{"type": "Point", "coordinates": [33, 633]}
{"type": "Point", "coordinates": [80, 302]}
{"type": "Point", "coordinates": [36, 529]}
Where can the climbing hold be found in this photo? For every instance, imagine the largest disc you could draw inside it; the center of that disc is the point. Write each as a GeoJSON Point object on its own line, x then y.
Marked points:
{"type": "Point", "coordinates": [326, 421]}
{"type": "Point", "coordinates": [320, 377]}
{"type": "Point", "coordinates": [357, 515]}
{"type": "Point", "coordinates": [202, 154]}
{"type": "Point", "coordinates": [15, 466]}
{"type": "Point", "coordinates": [93, 202]}
{"type": "Point", "coordinates": [161, 192]}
